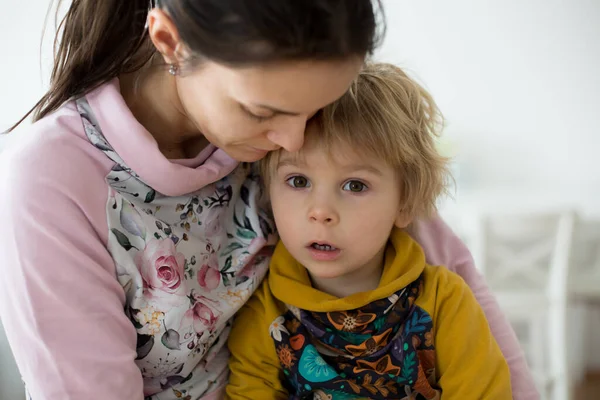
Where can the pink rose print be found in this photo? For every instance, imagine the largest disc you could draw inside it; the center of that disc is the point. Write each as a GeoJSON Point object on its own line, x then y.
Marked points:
{"type": "Point", "coordinates": [202, 316]}
{"type": "Point", "coordinates": [161, 267]}
{"type": "Point", "coordinates": [209, 276]}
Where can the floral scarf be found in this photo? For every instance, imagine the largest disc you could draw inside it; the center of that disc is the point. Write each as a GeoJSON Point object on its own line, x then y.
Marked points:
{"type": "Point", "coordinates": [383, 350]}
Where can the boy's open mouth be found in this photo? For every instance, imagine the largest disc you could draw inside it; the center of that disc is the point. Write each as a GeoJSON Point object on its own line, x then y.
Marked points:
{"type": "Point", "coordinates": [323, 246]}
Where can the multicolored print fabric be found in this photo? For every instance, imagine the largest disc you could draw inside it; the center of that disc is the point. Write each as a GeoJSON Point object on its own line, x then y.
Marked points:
{"type": "Point", "coordinates": [384, 350]}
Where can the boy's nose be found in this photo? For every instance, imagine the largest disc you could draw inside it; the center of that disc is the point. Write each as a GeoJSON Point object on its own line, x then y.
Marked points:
{"type": "Point", "coordinates": [323, 214]}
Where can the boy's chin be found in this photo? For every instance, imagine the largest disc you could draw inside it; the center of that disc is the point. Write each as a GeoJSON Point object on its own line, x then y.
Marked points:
{"type": "Point", "coordinates": [323, 273]}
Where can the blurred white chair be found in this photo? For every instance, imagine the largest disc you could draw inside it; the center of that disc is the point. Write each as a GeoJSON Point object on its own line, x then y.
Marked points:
{"type": "Point", "coordinates": [525, 259]}
{"type": "Point", "coordinates": [585, 276]}
{"type": "Point", "coordinates": [584, 283]}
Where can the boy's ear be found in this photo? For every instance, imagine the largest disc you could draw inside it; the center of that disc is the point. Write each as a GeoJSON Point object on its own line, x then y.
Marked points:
{"type": "Point", "coordinates": [402, 219]}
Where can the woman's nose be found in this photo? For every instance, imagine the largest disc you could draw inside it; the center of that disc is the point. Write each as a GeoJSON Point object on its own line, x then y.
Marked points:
{"type": "Point", "coordinates": [290, 136]}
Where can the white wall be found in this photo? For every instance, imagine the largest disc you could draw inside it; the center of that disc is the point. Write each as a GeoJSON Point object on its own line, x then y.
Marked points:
{"type": "Point", "coordinates": [518, 80]}
{"type": "Point", "coordinates": [23, 73]}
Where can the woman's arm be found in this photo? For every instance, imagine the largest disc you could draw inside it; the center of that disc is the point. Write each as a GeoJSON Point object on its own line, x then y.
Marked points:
{"type": "Point", "coordinates": [443, 247]}
{"type": "Point", "coordinates": [60, 301]}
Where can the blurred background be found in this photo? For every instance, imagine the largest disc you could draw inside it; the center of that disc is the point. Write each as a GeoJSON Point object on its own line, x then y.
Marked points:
{"type": "Point", "coordinates": [519, 86]}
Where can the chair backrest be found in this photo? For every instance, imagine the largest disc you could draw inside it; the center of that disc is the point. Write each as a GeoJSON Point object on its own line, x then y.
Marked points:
{"type": "Point", "coordinates": [586, 255]}
{"type": "Point", "coordinates": [525, 252]}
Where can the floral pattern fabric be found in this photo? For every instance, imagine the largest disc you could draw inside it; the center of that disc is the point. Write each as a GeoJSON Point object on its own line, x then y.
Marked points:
{"type": "Point", "coordinates": [384, 350]}
{"type": "Point", "coordinates": [186, 265]}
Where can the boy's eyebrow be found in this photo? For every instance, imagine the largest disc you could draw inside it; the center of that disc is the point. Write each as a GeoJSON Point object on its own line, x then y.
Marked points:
{"type": "Point", "coordinates": [290, 163]}
{"type": "Point", "coordinates": [363, 167]}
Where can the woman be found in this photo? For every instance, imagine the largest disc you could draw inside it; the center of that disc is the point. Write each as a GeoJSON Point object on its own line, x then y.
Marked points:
{"type": "Point", "coordinates": [134, 227]}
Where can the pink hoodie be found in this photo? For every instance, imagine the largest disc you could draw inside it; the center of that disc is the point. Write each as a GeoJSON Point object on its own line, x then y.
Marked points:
{"type": "Point", "coordinates": [121, 269]}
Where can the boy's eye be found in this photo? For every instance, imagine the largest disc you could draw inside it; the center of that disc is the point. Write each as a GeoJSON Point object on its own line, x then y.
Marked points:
{"type": "Point", "coordinates": [355, 186]}
{"type": "Point", "coordinates": [298, 182]}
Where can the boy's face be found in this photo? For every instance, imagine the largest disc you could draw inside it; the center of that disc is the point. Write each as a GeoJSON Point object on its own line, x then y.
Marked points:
{"type": "Point", "coordinates": [335, 214]}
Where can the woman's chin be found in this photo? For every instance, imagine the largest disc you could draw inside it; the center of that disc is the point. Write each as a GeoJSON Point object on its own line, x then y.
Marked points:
{"type": "Point", "coordinates": [247, 156]}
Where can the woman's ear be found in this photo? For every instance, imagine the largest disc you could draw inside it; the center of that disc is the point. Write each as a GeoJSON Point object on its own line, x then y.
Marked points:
{"type": "Point", "coordinates": [165, 36]}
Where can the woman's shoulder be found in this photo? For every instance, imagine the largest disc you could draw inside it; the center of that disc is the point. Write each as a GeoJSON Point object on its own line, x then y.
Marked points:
{"type": "Point", "coordinates": [51, 162]}
{"type": "Point", "coordinates": [54, 145]}
{"type": "Point", "coordinates": [441, 245]}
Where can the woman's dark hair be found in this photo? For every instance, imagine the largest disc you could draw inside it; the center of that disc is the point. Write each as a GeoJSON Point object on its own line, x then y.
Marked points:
{"type": "Point", "coordinates": [102, 39]}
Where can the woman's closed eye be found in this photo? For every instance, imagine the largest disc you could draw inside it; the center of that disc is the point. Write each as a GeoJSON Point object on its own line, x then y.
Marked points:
{"type": "Point", "coordinates": [258, 118]}
{"type": "Point", "coordinates": [298, 182]}
{"type": "Point", "coordinates": [355, 186]}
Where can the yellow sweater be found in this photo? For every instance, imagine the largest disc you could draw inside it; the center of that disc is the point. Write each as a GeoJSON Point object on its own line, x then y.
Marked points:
{"type": "Point", "coordinates": [468, 361]}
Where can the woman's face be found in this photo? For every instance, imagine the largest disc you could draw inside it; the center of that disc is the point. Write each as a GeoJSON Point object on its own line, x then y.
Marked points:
{"type": "Point", "coordinates": [250, 111]}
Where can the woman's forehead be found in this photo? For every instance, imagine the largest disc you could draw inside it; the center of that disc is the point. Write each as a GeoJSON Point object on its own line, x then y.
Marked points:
{"type": "Point", "coordinates": [300, 87]}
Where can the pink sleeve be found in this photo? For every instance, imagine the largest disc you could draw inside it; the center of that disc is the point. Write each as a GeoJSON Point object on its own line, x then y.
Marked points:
{"type": "Point", "coordinates": [60, 301]}
{"type": "Point", "coordinates": [443, 247]}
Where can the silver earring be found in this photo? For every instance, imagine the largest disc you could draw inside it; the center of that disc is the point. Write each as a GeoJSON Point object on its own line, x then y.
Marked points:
{"type": "Point", "coordinates": [173, 69]}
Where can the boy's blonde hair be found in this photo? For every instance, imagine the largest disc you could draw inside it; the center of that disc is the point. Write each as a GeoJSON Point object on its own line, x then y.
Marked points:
{"type": "Point", "coordinates": [387, 115]}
